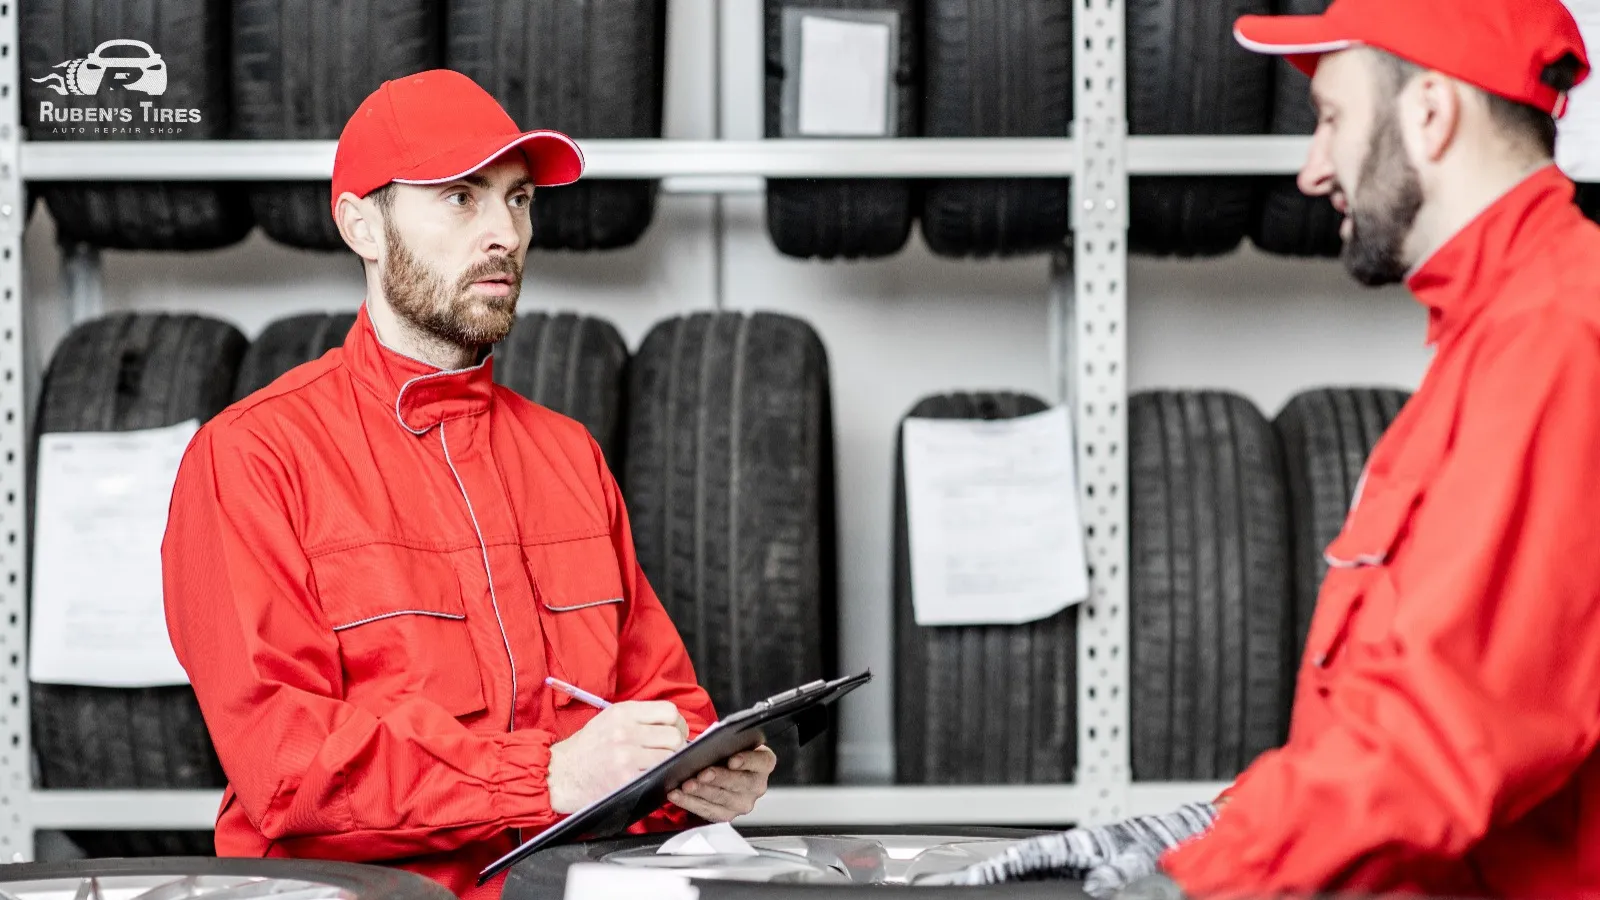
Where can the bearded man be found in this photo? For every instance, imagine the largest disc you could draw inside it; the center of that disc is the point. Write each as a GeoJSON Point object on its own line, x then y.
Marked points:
{"type": "Point", "coordinates": [373, 564]}
{"type": "Point", "coordinates": [1445, 739]}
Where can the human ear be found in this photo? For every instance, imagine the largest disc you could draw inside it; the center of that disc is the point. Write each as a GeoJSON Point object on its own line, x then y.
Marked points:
{"type": "Point", "coordinates": [1430, 111]}
{"type": "Point", "coordinates": [358, 225]}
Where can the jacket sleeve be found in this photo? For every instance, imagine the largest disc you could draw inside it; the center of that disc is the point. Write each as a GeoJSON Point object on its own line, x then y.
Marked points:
{"type": "Point", "coordinates": [1498, 590]}
{"type": "Point", "coordinates": [652, 662]}
{"type": "Point", "coordinates": [315, 775]}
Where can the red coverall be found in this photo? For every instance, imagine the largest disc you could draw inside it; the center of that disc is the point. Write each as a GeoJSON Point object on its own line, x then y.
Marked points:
{"type": "Point", "coordinates": [1448, 706]}
{"type": "Point", "coordinates": [370, 567]}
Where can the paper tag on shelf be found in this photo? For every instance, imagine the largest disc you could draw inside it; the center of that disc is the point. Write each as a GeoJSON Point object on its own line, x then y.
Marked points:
{"type": "Point", "coordinates": [844, 77]}
{"type": "Point", "coordinates": [992, 512]}
{"type": "Point", "coordinates": [97, 615]}
{"type": "Point", "coordinates": [1578, 131]}
{"type": "Point", "coordinates": [603, 881]}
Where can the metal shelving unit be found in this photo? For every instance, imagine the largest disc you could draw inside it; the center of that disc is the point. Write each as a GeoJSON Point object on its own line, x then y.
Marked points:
{"type": "Point", "coordinates": [1088, 315]}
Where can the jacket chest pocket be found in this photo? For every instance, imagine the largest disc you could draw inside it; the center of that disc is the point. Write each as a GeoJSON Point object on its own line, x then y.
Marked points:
{"type": "Point", "coordinates": [1358, 601]}
{"type": "Point", "coordinates": [402, 628]}
{"type": "Point", "coordinates": [577, 589]}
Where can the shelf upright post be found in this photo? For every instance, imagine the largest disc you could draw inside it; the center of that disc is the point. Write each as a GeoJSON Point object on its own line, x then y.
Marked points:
{"type": "Point", "coordinates": [16, 825]}
{"type": "Point", "coordinates": [1096, 296]}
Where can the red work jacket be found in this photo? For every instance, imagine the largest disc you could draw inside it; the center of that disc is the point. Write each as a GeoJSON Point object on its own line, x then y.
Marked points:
{"type": "Point", "coordinates": [370, 567]}
{"type": "Point", "coordinates": [1448, 706]}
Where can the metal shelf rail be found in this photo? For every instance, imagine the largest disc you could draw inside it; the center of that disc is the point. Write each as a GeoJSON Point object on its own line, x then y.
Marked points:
{"type": "Point", "coordinates": [1088, 315]}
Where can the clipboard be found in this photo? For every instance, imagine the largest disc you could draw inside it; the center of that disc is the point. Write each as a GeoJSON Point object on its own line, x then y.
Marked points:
{"type": "Point", "coordinates": [804, 708]}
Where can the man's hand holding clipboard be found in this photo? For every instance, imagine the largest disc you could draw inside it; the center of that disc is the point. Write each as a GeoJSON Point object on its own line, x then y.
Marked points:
{"type": "Point", "coordinates": [633, 737]}
{"type": "Point", "coordinates": [804, 708]}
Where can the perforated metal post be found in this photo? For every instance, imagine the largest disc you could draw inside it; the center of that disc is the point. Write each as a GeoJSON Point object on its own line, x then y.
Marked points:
{"type": "Point", "coordinates": [1098, 390]}
{"type": "Point", "coordinates": [16, 827]}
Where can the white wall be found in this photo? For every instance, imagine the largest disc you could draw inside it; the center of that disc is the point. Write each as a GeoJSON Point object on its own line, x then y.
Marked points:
{"type": "Point", "coordinates": [895, 330]}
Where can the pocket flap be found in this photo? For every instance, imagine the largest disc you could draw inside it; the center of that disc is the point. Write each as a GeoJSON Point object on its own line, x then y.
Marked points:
{"type": "Point", "coordinates": [1375, 525]}
{"type": "Point", "coordinates": [380, 581]}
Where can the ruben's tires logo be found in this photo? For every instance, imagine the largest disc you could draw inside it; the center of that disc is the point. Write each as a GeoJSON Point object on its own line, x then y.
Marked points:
{"type": "Point", "coordinates": [116, 66]}
{"type": "Point", "coordinates": [143, 72]}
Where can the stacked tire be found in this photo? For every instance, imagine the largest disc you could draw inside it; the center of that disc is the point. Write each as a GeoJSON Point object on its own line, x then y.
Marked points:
{"type": "Point", "coordinates": [300, 69]}
{"type": "Point", "coordinates": [729, 483]}
{"type": "Point", "coordinates": [66, 40]}
{"type": "Point", "coordinates": [123, 373]}
{"type": "Point", "coordinates": [980, 704]}
{"type": "Point", "coordinates": [591, 70]}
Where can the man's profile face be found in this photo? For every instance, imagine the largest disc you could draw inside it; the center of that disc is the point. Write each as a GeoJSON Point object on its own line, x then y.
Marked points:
{"type": "Point", "coordinates": [453, 253]}
{"type": "Point", "coordinates": [1358, 159]}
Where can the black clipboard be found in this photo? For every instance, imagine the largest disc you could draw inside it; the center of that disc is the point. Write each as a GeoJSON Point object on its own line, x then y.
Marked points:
{"type": "Point", "coordinates": [804, 708]}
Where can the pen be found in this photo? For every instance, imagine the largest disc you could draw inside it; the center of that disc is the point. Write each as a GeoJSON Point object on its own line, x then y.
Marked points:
{"type": "Point", "coordinates": [578, 693]}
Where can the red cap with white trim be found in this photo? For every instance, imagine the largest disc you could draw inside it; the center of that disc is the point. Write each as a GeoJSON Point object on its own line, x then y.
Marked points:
{"type": "Point", "coordinates": [437, 126]}
{"type": "Point", "coordinates": [1529, 51]}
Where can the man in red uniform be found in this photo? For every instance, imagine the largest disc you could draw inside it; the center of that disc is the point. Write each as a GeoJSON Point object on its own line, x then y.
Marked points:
{"type": "Point", "coordinates": [1447, 713]}
{"type": "Point", "coordinates": [372, 565]}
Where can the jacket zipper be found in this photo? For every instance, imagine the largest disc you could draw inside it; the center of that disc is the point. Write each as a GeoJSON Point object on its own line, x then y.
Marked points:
{"type": "Point", "coordinates": [494, 601]}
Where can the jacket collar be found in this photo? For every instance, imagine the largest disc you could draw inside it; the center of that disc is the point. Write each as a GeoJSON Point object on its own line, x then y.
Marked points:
{"type": "Point", "coordinates": [421, 394]}
{"type": "Point", "coordinates": [1472, 267]}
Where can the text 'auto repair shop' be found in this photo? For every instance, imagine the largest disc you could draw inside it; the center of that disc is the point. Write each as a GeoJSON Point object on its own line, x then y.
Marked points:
{"type": "Point", "coordinates": [723, 448]}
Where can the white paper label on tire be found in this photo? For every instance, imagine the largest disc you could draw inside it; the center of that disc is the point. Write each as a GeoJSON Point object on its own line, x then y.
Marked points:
{"type": "Point", "coordinates": [844, 78]}
{"type": "Point", "coordinates": [1578, 141]}
{"type": "Point", "coordinates": [97, 615]}
{"type": "Point", "coordinates": [992, 514]}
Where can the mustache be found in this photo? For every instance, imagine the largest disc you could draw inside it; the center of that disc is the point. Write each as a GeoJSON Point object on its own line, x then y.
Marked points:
{"type": "Point", "coordinates": [499, 265]}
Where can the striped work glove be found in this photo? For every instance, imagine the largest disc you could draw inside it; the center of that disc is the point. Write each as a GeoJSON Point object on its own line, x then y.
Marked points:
{"type": "Point", "coordinates": [1107, 858]}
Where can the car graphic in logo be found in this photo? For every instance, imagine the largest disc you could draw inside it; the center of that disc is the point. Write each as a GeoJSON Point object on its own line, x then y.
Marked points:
{"type": "Point", "coordinates": [146, 74]}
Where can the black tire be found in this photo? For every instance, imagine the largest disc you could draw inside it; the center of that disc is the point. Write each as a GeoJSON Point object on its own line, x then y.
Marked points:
{"type": "Point", "coordinates": [1588, 200]}
{"type": "Point", "coordinates": [191, 36]}
{"type": "Point", "coordinates": [843, 218]}
{"type": "Point", "coordinates": [592, 70]}
{"type": "Point", "coordinates": [121, 373]}
{"type": "Point", "coordinates": [997, 68]}
{"type": "Point", "coordinates": [363, 881]}
{"type": "Point", "coordinates": [729, 480]}
{"type": "Point", "coordinates": [951, 725]}
{"type": "Point", "coordinates": [1326, 436]}
{"type": "Point", "coordinates": [287, 343]}
{"type": "Point", "coordinates": [300, 69]}
{"type": "Point", "coordinates": [543, 876]}
{"type": "Point", "coordinates": [572, 364]}
{"type": "Point", "coordinates": [1187, 75]}
{"type": "Point", "coordinates": [1286, 221]}
{"type": "Point", "coordinates": [1210, 586]}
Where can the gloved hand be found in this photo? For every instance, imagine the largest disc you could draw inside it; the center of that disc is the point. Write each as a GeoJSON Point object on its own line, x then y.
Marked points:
{"type": "Point", "coordinates": [1107, 857]}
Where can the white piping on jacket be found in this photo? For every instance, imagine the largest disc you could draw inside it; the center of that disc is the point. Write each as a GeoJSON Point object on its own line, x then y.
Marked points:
{"type": "Point", "coordinates": [582, 605]}
{"type": "Point", "coordinates": [493, 600]}
{"type": "Point", "coordinates": [399, 612]}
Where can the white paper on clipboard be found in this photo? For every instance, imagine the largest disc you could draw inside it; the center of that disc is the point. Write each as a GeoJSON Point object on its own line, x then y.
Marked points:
{"type": "Point", "coordinates": [992, 511]}
{"type": "Point", "coordinates": [102, 506]}
{"type": "Point", "coordinates": [1578, 131]}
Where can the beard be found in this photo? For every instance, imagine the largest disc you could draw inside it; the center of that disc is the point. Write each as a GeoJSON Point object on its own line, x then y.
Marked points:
{"type": "Point", "coordinates": [444, 309]}
{"type": "Point", "coordinates": [1382, 218]}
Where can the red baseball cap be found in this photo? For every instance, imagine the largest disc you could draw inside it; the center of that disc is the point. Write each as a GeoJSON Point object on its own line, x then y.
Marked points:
{"type": "Point", "coordinates": [1501, 46]}
{"type": "Point", "coordinates": [437, 126]}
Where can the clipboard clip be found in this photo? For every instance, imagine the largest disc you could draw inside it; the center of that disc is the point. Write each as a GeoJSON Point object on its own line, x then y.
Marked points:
{"type": "Point", "coordinates": [790, 694]}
